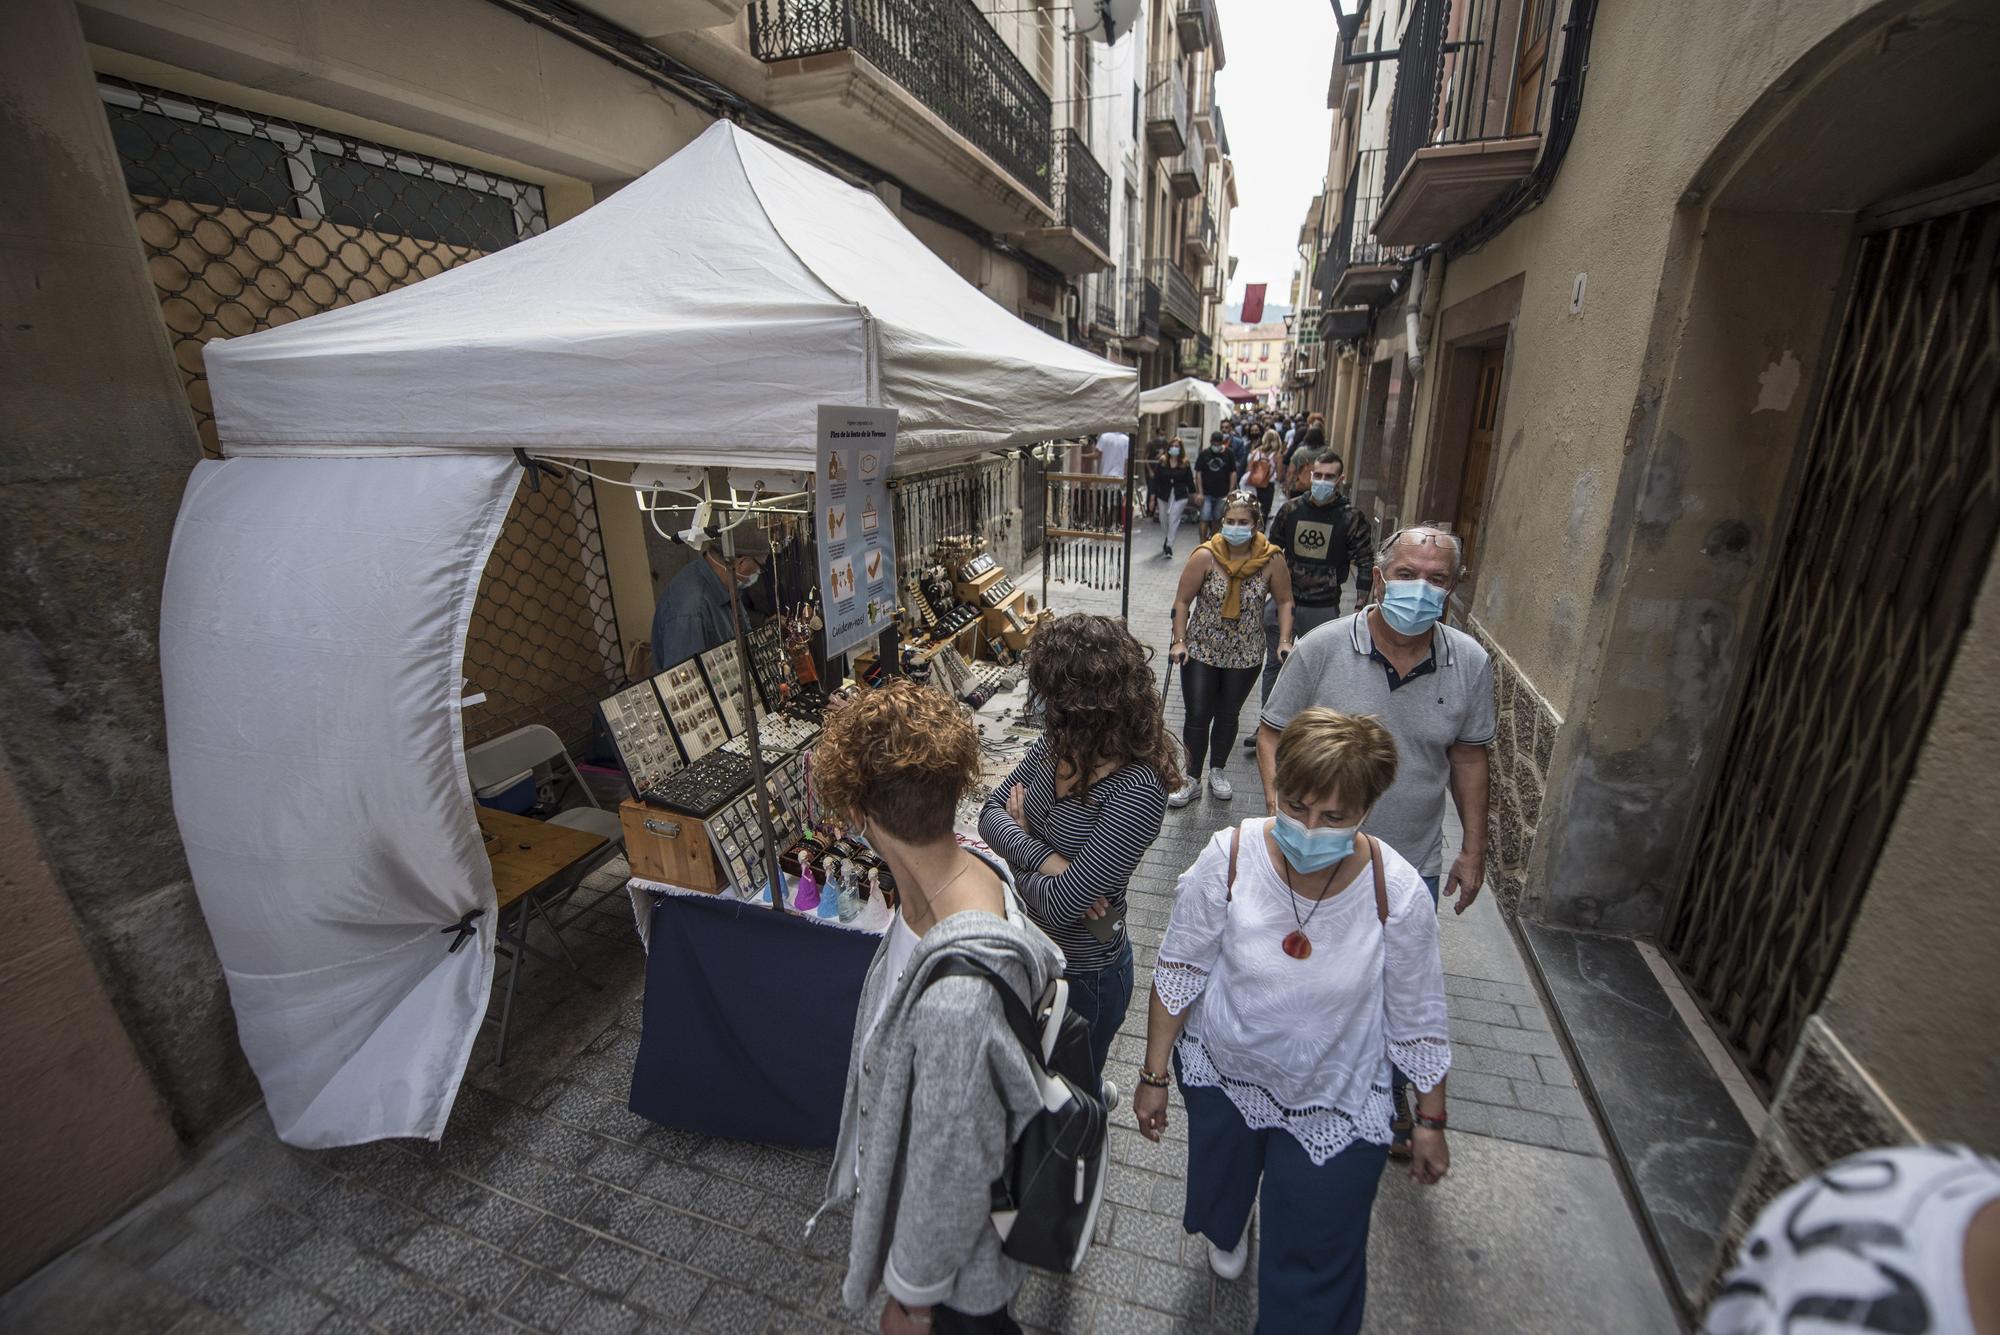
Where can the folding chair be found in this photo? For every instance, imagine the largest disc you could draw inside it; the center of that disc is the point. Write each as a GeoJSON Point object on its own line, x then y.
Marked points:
{"type": "Point", "coordinates": [499, 764]}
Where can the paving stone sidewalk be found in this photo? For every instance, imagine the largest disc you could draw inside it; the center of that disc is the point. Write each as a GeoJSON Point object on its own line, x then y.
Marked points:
{"type": "Point", "coordinates": [547, 1206]}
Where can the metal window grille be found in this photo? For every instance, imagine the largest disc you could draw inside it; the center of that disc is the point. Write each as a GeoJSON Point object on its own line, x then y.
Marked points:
{"type": "Point", "coordinates": [251, 221]}
{"type": "Point", "coordinates": [1889, 538]}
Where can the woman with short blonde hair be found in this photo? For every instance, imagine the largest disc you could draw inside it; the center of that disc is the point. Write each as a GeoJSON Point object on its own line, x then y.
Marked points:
{"type": "Point", "coordinates": [1300, 966]}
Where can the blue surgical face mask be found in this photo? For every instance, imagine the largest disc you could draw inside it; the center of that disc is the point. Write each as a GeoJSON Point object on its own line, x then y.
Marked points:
{"type": "Point", "coordinates": [745, 581]}
{"type": "Point", "coordinates": [1312, 850]}
{"type": "Point", "coordinates": [1236, 534]}
{"type": "Point", "coordinates": [1322, 490]}
{"type": "Point", "coordinates": [1412, 606]}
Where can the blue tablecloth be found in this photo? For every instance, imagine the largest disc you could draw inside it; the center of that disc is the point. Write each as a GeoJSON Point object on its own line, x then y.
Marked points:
{"type": "Point", "coordinates": [749, 1018]}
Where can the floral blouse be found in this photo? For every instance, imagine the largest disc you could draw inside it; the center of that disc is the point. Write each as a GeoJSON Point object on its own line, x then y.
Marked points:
{"type": "Point", "coordinates": [1228, 644]}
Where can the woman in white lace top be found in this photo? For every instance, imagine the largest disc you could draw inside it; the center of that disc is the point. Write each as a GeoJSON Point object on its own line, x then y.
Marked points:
{"type": "Point", "coordinates": [1299, 964]}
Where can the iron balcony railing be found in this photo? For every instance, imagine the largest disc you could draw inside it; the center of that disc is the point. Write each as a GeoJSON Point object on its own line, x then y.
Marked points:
{"type": "Point", "coordinates": [1141, 316]}
{"type": "Point", "coordinates": [1190, 169]}
{"type": "Point", "coordinates": [1353, 241]}
{"type": "Point", "coordinates": [1201, 230]}
{"type": "Point", "coordinates": [1107, 301]}
{"type": "Point", "coordinates": [1178, 301]}
{"type": "Point", "coordinates": [1167, 102]}
{"type": "Point", "coordinates": [1083, 190]}
{"type": "Point", "coordinates": [944, 52]}
{"type": "Point", "coordinates": [1456, 77]}
{"type": "Point", "coordinates": [1221, 134]}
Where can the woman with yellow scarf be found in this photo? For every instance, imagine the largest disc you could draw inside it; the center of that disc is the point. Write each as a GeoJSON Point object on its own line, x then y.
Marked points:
{"type": "Point", "coordinates": [1219, 636]}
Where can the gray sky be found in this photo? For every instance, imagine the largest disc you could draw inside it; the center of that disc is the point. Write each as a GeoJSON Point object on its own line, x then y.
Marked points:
{"type": "Point", "coordinates": [1273, 99]}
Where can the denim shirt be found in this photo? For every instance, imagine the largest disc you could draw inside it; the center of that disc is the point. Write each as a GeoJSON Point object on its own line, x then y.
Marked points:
{"type": "Point", "coordinates": [692, 616]}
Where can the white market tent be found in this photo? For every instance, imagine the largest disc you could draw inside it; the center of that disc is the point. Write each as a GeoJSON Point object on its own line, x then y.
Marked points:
{"type": "Point", "coordinates": [1184, 393]}
{"type": "Point", "coordinates": [323, 573]}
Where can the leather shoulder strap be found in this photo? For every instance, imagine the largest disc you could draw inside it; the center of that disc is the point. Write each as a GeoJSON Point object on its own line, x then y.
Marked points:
{"type": "Point", "coordinates": [1381, 884]}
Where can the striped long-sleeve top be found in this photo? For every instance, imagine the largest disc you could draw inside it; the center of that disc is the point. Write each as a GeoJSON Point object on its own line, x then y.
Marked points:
{"type": "Point", "coordinates": [1103, 837]}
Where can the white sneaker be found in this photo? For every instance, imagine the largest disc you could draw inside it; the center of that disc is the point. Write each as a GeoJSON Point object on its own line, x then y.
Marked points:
{"type": "Point", "coordinates": [1219, 786]}
{"type": "Point", "coordinates": [1184, 794]}
{"type": "Point", "coordinates": [1229, 1264]}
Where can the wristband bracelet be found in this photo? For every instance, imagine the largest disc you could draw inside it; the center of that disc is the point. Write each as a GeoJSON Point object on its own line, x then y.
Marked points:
{"type": "Point", "coordinates": [1154, 1078]}
{"type": "Point", "coordinates": [1434, 1123]}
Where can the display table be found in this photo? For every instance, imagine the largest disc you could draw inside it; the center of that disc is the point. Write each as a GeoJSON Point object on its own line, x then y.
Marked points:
{"type": "Point", "coordinates": [749, 1018]}
{"type": "Point", "coordinates": [749, 1013]}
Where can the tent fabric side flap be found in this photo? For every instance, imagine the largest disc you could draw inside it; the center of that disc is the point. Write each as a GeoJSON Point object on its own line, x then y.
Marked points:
{"type": "Point", "coordinates": [312, 632]}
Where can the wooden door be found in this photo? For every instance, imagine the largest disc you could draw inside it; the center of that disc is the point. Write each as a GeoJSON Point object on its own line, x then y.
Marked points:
{"type": "Point", "coordinates": [1477, 469]}
{"type": "Point", "coordinates": [1529, 67]}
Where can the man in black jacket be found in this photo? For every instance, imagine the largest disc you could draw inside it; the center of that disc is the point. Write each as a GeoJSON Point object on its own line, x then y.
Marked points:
{"type": "Point", "coordinates": [1324, 539]}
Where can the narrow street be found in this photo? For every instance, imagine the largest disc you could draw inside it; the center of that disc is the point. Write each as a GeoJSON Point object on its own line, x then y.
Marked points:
{"type": "Point", "coordinates": [549, 1207]}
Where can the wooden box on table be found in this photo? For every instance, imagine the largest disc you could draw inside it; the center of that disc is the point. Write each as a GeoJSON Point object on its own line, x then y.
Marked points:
{"type": "Point", "coordinates": [666, 846]}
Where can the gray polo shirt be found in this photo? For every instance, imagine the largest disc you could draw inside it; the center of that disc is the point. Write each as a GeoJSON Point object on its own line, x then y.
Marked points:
{"type": "Point", "coordinates": [1447, 701]}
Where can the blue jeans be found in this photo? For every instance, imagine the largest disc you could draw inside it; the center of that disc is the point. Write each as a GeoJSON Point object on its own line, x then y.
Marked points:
{"type": "Point", "coordinates": [1397, 1082]}
{"type": "Point", "coordinates": [1101, 997]}
{"type": "Point", "coordinates": [1312, 1261]}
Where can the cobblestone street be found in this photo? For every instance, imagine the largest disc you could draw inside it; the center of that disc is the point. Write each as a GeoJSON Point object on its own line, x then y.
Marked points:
{"type": "Point", "coordinates": [549, 1207]}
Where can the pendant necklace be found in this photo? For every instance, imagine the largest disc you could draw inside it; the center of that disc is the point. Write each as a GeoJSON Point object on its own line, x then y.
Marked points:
{"type": "Point", "coordinates": [1296, 943]}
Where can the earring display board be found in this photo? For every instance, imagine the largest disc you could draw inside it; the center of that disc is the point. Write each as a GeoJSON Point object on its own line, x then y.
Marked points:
{"type": "Point", "coordinates": [735, 835]}
{"type": "Point", "coordinates": [724, 670]}
{"type": "Point", "coordinates": [639, 732]}
{"type": "Point", "coordinates": [770, 665]}
{"type": "Point", "coordinates": [690, 707]}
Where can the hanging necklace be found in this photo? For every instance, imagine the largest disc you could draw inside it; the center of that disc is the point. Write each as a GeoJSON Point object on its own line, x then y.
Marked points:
{"type": "Point", "coordinates": [1296, 943]}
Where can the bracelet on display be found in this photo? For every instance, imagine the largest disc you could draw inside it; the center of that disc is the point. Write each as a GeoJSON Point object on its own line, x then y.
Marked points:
{"type": "Point", "coordinates": [1154, 1078]}
{"type": "Point", "coordinates": [1433, 1123]}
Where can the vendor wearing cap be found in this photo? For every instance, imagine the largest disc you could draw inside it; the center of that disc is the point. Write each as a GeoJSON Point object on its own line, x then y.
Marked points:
{"type": "Point", "coordinates": [693, 612]}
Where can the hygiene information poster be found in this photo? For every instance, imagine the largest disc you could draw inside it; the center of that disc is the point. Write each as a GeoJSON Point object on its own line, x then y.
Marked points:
{"type": "Point", "coordinates": [857, 545]}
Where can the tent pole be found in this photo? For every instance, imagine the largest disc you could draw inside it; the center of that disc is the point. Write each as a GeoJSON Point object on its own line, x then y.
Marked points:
{"type": "Point", "coordinates": [773, 866]}
{"type": "Point", "coordinates": [1125, 591]}
{"type": "Point", "coordinates": [1048, 543]}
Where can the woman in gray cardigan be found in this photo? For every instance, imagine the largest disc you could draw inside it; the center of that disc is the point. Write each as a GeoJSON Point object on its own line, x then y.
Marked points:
{"type": "Point", "coordinates": [937, 1085]}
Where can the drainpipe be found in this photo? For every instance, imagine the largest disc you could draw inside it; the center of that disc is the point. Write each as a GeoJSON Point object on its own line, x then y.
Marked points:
{"type": "Point", "coordinates": [1413, 313]}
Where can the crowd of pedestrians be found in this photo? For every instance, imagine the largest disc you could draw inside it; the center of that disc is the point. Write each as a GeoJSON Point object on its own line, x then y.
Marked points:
{"type": "Point", "coordinates": [1298, 998]}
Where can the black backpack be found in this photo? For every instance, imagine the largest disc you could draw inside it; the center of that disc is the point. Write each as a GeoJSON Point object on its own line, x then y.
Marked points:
{"type": "Point", "coordinates": [1045, 1201]}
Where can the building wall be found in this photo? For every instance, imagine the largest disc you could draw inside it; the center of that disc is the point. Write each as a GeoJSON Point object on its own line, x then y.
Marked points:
{"type": "Point", "coordinates": [1640, 463]}
{"type": "Point", "coordinates": [100, 441]}
{"type": "Point", "coordinates": [108, 983]}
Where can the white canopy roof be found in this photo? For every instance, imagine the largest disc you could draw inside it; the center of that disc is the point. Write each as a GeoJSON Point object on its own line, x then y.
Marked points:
{"type": "Point", "coordinates": [707, 307]}
{"type": "Point", "coordinates": [1182, 394]}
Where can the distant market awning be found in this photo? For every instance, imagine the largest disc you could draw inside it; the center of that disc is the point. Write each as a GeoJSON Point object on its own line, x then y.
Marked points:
{"type": "Point", "coordinates": [1235, 393]}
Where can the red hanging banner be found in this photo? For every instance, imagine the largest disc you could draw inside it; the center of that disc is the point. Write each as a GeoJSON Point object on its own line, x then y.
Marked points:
{"type": "Point", "coordinates": [1253, 303]}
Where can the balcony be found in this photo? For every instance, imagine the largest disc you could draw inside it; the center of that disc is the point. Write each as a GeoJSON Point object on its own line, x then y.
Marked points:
{"type": "Point", "coordinates": [1360, 270]}
{"type": "Point", "coordinates": [1180, 308]}
{"type": "Point", "coordinates": [1200, 243]}
{"type": "Point", "coordinates": [1167, 113]}
{"type": "Point", "coordinates": [1140, 327]}
{"type": "Point", "coordinates": [1187, 172]}
{"type": "Point", "coordinates": [1081, 242]}
{"type": "Point", "coordinates": [1219, 137]}
{"type": "Point", "coordinates": [925, 89]}
{"type": "Point", "coordinates": [1465, 124]}
{"type": "Point", "coordinates": [1106, 304]}
{"type": "Point", "coordinates": [1211, 282]}
{"type": "Point", "coordinates": [1194, 21]}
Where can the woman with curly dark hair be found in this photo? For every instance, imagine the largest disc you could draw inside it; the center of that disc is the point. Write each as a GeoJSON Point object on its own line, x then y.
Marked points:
{"type": "Point", "coordinates": [1085, 804]}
